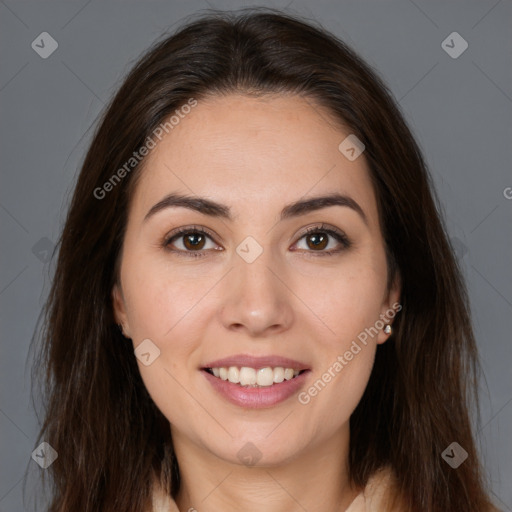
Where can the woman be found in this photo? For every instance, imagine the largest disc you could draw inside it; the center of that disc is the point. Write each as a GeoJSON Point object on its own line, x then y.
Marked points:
{"type": "Point", "coordinates": [255, 302]}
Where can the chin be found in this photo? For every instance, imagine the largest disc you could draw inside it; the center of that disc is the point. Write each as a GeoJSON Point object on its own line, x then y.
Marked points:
{"type": "Point", "coordinates": [260, 450]}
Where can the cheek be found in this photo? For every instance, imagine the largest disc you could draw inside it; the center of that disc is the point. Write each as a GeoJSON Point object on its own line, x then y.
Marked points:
{"type": "Point", "coordinates": [165, 308]}
{"type": "Point", "coordinates": [160, 300]}
{"type": "Point", "coordinates": [335, 390]}
{"type": "Point", "coordinates": [349, 301]}
{"type": "Point", "coordinates": [168, 309]}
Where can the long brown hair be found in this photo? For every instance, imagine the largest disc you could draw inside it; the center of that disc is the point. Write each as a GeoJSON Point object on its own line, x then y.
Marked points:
{"type": "Point", "coordinates": [110, 437]}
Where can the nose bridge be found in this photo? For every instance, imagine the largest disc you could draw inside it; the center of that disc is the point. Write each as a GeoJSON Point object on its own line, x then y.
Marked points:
{"type": "Point", "coordinates": [252, 267]}
{"type": "Point", "coordinates": [256, 283]}
{"type": "Point", "coordinates": [254, 297]}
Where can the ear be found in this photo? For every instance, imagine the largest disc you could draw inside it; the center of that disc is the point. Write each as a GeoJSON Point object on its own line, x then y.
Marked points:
{"type": "Point", "coordinates": [390, 308]}
{"type": "Point", "coordinates": [119, 307]}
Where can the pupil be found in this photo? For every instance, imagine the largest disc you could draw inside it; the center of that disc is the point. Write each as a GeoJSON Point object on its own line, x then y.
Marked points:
{"type": "Point", "coordinates": [318, 243]}
{"type": "Point", "coordinates": [193, 240]}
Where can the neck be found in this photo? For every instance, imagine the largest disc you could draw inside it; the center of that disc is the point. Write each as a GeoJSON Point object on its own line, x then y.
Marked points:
{"type": "Point", "coordinates": [313, 480]}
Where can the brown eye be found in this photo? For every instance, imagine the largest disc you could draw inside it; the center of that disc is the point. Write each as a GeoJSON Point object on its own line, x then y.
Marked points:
{"type": "Point", "coordinates": [318, 241]}
{"type": "Point", "coordinates": [189, 241]}
{"type": "Point", "coordinates": [194, 240]}
{"type": "Point", "coordinates": [318, 238]}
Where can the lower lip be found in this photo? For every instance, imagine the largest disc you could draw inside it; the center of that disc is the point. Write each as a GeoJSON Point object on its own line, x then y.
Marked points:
{"type": "Point", "coordinates": [257, 398]}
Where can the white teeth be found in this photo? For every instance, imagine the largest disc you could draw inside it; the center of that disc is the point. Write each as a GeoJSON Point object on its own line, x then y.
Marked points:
{"type": "Point", "coordinates": [265, 377]}
{"type": "Point", "coordinates": [234, 375]}
{"type": "Point", "coordinates": [246, 376]}
{"type": "Point", "coordinates": [278, 375]}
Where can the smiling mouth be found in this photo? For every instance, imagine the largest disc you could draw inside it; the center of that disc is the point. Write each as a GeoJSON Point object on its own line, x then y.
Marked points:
{"type": "Point", "coordinates": [248, 377]}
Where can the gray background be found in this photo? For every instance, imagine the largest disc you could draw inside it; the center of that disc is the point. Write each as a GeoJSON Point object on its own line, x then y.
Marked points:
{"type": "Point", "coordinates": [460, 111]}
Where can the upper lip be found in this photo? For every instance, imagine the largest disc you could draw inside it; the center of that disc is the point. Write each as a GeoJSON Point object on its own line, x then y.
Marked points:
{"type": "Point", "coordinates": [257, 362]}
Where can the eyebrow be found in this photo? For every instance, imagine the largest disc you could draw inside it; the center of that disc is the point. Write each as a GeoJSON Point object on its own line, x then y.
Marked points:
{"type": "Point", "coordinates": [295, 209]}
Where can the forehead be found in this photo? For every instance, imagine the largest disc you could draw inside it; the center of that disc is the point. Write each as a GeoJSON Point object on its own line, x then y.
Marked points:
{"type": "Point", "coordinates": [253, 153]}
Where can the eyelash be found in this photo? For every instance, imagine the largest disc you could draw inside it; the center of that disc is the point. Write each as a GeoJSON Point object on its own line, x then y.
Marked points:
{"type": "Point", "coordinates": [337, 235]}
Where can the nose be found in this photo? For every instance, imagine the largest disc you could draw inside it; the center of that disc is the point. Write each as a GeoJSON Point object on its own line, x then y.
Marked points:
{"type": "Point", "coordinates": [256, 299]}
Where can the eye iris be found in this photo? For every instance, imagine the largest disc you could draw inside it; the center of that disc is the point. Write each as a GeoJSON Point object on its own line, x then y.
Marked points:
{"type": "Point", "coordinates": [197, 241]}
{"type": "Point", "coordinates": [317, 243]}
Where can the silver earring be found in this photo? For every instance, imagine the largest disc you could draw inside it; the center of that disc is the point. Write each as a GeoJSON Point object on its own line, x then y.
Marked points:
{"type": "Point", "coordinates": [388, 329]}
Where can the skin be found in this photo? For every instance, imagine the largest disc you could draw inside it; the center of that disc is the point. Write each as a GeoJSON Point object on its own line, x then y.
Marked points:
{"type": "Point", "coordinates": [255, 155]}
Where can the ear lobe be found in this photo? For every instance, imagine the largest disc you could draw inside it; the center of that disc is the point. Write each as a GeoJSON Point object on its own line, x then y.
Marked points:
{"type": "Point", "coordinates": [119, 309]}
{"type": "Point", "coordinates": [391, 308]}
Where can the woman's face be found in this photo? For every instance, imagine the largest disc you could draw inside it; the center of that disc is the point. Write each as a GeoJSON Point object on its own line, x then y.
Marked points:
{"type": "Point", "coordinates": [255, 294]}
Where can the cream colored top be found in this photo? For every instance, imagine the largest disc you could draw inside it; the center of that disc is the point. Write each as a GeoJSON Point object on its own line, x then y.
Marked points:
{"type": "Point", "coordinates": [371, 499]}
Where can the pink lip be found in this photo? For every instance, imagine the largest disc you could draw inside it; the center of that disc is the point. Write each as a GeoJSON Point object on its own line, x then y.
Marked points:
{"type": "Point", "coordinates": [256, 398]}
{"type": "Point", "coordinates": [257, 362]}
